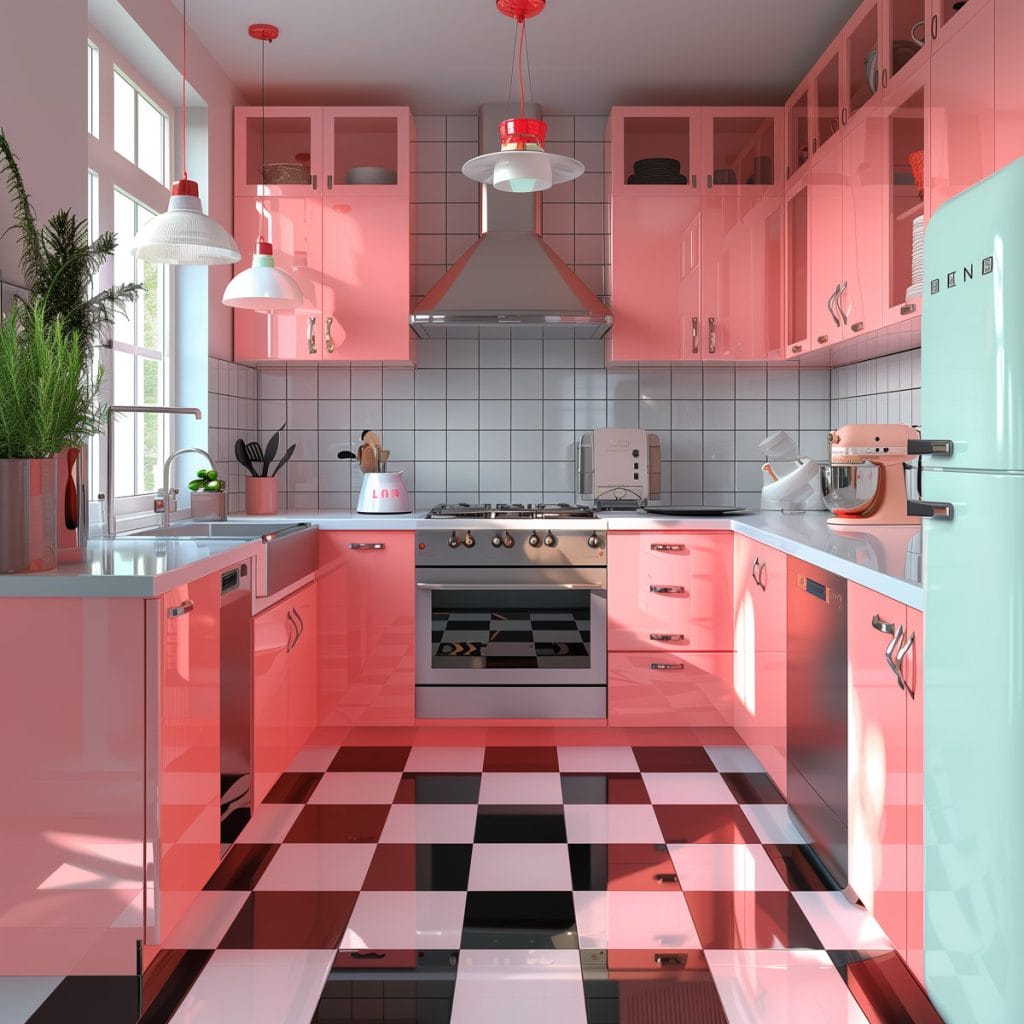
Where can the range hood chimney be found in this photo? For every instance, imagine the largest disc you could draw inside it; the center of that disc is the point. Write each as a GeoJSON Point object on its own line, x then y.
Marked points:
{"type": "Point", "coordinates": [510, 275]}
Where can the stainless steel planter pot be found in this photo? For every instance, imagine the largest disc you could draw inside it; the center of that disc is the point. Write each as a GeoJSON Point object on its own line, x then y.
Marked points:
{"type": "Point", "coordinates": [28, 515]}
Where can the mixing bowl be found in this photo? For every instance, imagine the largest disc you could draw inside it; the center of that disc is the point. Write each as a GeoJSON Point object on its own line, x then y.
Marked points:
{"type": "Point", "coordinates": [850, 489]}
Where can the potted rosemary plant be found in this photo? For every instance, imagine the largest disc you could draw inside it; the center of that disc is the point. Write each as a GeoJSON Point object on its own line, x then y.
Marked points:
{"type": "Point", "coordinates": [49, 404]}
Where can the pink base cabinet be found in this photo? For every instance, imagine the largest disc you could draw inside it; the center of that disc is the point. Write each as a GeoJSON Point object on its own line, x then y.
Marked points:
{"type": "Point", "coordinates": [366, 602]}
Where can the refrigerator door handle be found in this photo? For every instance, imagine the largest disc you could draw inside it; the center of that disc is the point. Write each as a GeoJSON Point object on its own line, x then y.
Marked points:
{"type": "Point", "coordinates": [900, 655]}
{"type": "Point", "coordinates": [921, 446]}
{"type": "Point", "coordinates": [891, 658]}
{"type": "Point", "coordinates": [930, 509]}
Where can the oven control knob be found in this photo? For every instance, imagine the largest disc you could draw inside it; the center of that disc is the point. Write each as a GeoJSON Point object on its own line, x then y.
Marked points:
{"type": "Point", "coordinates": [496, 540]}
{"type": "Point", "coordinates": [593, 541]}
{"type": "Point", "coordinates": [469, 540]}
{"type": "Point", "coordinates": [453, 540]}
{"type": "Point", "coordinates": [534, 540]}
{"type": "Point", "coordinates": [549, 540]}
{"type": "Point", "coordinates": [507, 540]}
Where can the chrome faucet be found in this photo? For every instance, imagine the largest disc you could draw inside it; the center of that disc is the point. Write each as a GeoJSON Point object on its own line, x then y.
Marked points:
{"type": "Point", "coordinates": [170, 499]}
{"type": "Point", "coordinates": [112, 411]}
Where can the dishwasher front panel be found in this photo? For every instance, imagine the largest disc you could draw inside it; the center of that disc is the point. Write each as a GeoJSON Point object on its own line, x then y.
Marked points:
{"type": "Point", "coordinates": [816, 715]}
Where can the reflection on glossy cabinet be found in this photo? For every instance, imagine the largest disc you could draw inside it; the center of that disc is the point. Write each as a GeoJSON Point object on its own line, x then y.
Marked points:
{"type": "Point", "coordinates": [1009, 81]}
{"type": "Point", "coordinates": [913, 672]}
{"type": "Point", "coordinates": [962, 99]}
{"type": "Point", "coordinates": [188, 756]}
{"type": "Point", "coordinates": [669, 591]}
{"type": "Point", "coordinates": [667, 688]}
{"type": "Point", "coordinates": [366, 592]}
{"type": "Point", "coordinates": [759, 668]}
{"type": "Point", "coordinates": [303, 667]}
{"type": "Point", "coordinates": [826, 263]}
{"type": "Point", "coordinates": [273, 633]}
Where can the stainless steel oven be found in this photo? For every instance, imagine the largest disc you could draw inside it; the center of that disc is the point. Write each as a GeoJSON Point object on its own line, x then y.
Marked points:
{"type": "Point", "coordinates": [511, 623]}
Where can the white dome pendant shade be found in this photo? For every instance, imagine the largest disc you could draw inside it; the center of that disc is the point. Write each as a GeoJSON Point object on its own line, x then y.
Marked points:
{"type": "Point", "coordinates": [184, 234]}
{"type": "Point", "coordinates": [263, 287]}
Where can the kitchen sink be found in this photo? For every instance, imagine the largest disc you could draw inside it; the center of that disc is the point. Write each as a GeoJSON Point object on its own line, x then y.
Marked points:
{"type": "Point", "coordinates": [226, 531]}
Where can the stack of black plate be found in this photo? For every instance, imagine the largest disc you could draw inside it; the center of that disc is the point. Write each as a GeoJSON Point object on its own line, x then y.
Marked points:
{"type": "Point", "coordinates": [656, 170]}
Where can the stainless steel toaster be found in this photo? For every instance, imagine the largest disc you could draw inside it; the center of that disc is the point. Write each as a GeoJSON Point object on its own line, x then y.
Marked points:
{"type": "Point", "coordinates": [619, 467]}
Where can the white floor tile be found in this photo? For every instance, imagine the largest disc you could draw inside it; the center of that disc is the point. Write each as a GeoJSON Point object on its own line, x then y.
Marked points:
{"type": "Point", "coordinates": [520, 788]}
{"type": "Point", "coordinates": [596, 759]}
{"type": "Point", "coordinates": [206, 922]}
{"type": "Point", "coordinates": [21, 997]}
{"type": "Point", "coordinates": [687, 788]}
{"type": "Point", "coordinates": [317, 867]}
{"type": "Point", "coordinates": [728, 867]}
{"type": "Point", "coordinates": [520, 867]}
{"type": "Point", "coordinates": [612, 823]}
{"type": "Point", "coordinates": [445, 759]}
{"type": "Point", "coordinates": [839, 923]}
{"type": "Point", "coordinates": [430, 823]}
{"type": "Point", "coordinates": [270, 824]}
{"type": "Point", "coordinates": [257, 986]}
{"type": "Point", "coordinates": [507, 986]}
{"type": "Point", "coordinates": [734, 759]}
{"type": "Point", "coordinates": [773, 823]}
{"type": "Point", "coordinates": [406, 920]}
{"type": "Point", "coordinates": [634, 920]}
{"type": "Point", "coordinates": [769, 986]}
{"type": "Point", "coordinates": [356, 788]}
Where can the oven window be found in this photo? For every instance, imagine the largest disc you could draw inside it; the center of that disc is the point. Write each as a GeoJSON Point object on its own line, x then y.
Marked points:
{"type": "Point", "coordinates": [510, 629]}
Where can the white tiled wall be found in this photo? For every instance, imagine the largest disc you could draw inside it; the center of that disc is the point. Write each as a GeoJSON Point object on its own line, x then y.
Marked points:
{"type": "Point", "coordinates": [494, 416]}
{"type": "Point", "coordinates": [232, 415]}
{"type": "Point", "coordinates": [883, 390]}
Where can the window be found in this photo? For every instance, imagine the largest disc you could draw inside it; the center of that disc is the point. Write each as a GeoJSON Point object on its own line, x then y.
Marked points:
{"type": "Point", "coordinates": [93, 87]}
{"type": "Point", "coordinates": [140, 129]}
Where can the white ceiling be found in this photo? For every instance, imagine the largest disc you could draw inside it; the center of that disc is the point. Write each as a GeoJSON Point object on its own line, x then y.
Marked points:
{"type": "Point", "coordinates": [448, 56]}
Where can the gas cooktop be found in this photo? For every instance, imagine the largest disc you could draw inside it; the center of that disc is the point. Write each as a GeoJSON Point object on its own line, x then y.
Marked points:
{"type": "Point", "coordinates": [558, 510]}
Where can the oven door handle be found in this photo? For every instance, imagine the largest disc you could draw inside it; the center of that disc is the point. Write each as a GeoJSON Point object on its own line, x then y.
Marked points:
{"type": "Point", "coordinates": [511, 586]}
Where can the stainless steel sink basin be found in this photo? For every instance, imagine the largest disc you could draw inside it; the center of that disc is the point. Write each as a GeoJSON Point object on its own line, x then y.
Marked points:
{"type": "Point", "coordinates": [226, 531]}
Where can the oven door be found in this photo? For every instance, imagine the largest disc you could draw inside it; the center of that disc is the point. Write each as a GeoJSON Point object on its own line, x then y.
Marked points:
{"type": "Point", "coordinates": [515, 642]}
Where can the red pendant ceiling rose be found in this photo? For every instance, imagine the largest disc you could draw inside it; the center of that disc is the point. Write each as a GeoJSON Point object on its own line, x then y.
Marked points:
{"type": "Point", "coordinates": [520, 132]}
{"type": "Point", "coordinates": [520, 9]}
{"type": "Point", "coordinates": [266, 33]}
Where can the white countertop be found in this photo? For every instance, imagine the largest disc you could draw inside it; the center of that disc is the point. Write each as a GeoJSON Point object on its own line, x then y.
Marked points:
{"type": "Point", "coordinates": [885, 559]}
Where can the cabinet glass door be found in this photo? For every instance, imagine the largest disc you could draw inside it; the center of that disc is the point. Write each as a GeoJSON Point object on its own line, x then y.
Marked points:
{"type": "Point", "coordinates": [278, 155]}
{"type": "Point", "coordinates": [862, 61]}
{"type": "Point", "coordinates": [366, 150]}
{"type": "Point", "coordinates": [798, 133]}
{"type": "Point", "coordinates": [739, 149]}
{"type": "Point", "coordinates": [797, 251]}
{"type": "Point", "coordinates": [657, 151]}
{"type": "Point", "coordinates": [827, 107]}
{"type": "Point", "coordinates": [906, 37]}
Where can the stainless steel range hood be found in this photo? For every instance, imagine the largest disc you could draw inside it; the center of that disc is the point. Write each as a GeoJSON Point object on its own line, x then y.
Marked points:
{"type": "Point", "coordinates": [510, 275]}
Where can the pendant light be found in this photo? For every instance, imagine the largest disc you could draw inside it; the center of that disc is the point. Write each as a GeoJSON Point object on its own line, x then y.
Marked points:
{"type": "Point", "coordinates": [263, 287]}
{"type": "Point", "coordinates": [521, 165]}
{"type": "Point", "coordinates": [184, 234]}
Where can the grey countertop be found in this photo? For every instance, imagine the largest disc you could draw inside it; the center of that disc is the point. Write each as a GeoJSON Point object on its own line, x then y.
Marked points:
{"type": "Point", "coordinates": [885, 559]}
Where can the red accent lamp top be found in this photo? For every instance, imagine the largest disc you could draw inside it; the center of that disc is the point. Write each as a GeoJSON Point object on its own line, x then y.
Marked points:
{"type": "Point", "coordinates": [519, 132]}
{"type": "Point", "coordinates": [264, 32]}
{"type": "Point", "coordinates": [520, 9]}
{"type": "Point", "coordinates": [263, 247]}
{"type": "Point", "coordinates": [185, 187]}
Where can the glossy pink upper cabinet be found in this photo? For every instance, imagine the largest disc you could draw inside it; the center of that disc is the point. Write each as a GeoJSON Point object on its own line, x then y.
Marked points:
{"type": "Point", "coordinates": [860, 302]}
{"type": "Point", "coordinates": [913, 672]}
{"type": "Point", "coordinates": [877, 762]}
{"type": "Point", "coordinates": [759, 667]}
{"type": "Point", "coordinates": [279, 155]}
{"type": "Point", "coordinates": [741, 148]}
{"type": "Point", "coordinates": [273, 635]}
{"type": "Point", "coordinates": [189, 750]}
{"type": "Point", "coordinates": [861, 39]}
{"type": "Point", "coordinates": [962, 102]}
{"type": "Point", "coordinates": [947, 18]}
{"type": "Point", "coordinates": [826, 98]}
{"type": "Point", "coordinates": [1009, 81]}
{"type": "Point", "coordinates": [366, 595]}
{"type": "Point", "coordinates": [667, 138]}
{"type": "Point", "coordinates": [827, 192]}
{"type": "Point", "coordinates": [365, 276]}
{"type": "Point", "coordinates": [797, 269]}
{"type": "Point", "coordinates": [669, 591]}
{"type": "Point", "coordinates": [72, 803]}
{"type": "Point", "coordinates": [294, 227]}
{"type": "Point", "coordinates": [798, 129]}
{"type": "Point", "coordinates": [906, 43]}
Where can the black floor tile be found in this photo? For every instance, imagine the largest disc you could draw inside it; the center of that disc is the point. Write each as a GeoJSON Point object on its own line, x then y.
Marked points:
{"type": "Point", "coordinates": [673, 759]}
{"type": "Point", "coordinates": [167, 981]}
{"type": "Point", "coordinates": [370, 759]}
{"type": "Point", "coordinates": [519, 920]}
{"type": "Point", "coordinates": [588, 863]}
{"type": "Point", "coordinates": [242, 867]}
{"type": "Point", "coordinates": [799, 868]}
{"type": "Point", "coordinates": [501, 823]}
{"type": "Point", "coordinates": [90, 999]}
{"type": "Point", "coordinates": [752, 788]}
{"type": "Point", "coordinates": [604, 789]}
{"type": "Point", "coordinates": [521, 759]}
{"type": "Point", "coordinates": [293, 788]}
{"type": "Point", "coordinates": [291, 920]}
{"type": "Point", "coordinates": [402, 867]}
{"type": "Point", "coordinates": [431, 788]}
{"type": "Point", "coordinates": [339, 823]}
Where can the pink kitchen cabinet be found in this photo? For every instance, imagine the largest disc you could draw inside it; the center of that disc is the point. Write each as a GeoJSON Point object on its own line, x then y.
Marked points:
{"type": "Point", "coordinates": [186, 848]}
{"type": "Point", "coordinates": [345, 238]}
{"type": "Point", "coordinates": [303, 667]}
{"type": "Point", "coordinates": [759, 668]}
{"type": "Point", "coordinates": [962, 101]}
{"type": "Point", "coordinates": [827, 98]}
{"type": "Point", "coordinates": [1009, 82]}
{"type": "Point", "coordinates": [826, 194]}
{"type": "Point", "coordinates": [885, 775]}
{"type": "Point", "coordinates": [280, 154]}
{"type": "Point", "coordinates": [366, 614]}
{"type": "Point", "coordinates": [948, 18]}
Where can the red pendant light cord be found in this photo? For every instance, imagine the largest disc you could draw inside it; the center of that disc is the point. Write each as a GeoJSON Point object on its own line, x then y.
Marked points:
{"type": "Point", "coordinates": [184, 50]}
{"type": "Point", "coordinates": [522, 94]}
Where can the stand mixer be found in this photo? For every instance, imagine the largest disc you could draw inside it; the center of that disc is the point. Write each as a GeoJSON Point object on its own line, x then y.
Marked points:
{"type": "Point", "coordinates": [865, 482]}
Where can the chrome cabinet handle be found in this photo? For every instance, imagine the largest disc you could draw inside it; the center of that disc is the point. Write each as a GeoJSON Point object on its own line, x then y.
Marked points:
{"type": "Point", "coordinates": [822, 340]}
{"type": "Point", "coordinates": [328, 340]}
{"type": "Point", "coordinates": [695, 334]}
{"type": "Point", "coordinates": [182, 609]}
{"type": "Point", "coordinates": [839, 302]}
{"type": "Point", "coordinates": [668, 547]}
{"type": "Point", "coordinates": [757, 572]}
{"type": "Point", "coordinates": [366, 547]}
{"type": "Point", "coordinates": [930, 509]}
{"type": "Point", "coordinates": [299, 622]}
{"type": "Point", "coordinates": [311, 334]}
{"type": "Point", "coordinates": [928, 446]}
{"type": "Point", "coordinates": [330, 181]}
{"type": "Point", "coordinates": [660, 666]}
{"type": "Point", "coordinates": [893, 644]}
{"type": "Point", "coordinates": [831, 307]}
{"type": "Point", "coordinates": [666, 877]}
{"type": "Point", "coordinates": [711, 334]}
{"type": "Point", "coordinates": [858, 326]}
{"type": "Point", "coordinates": [666, 638]}
{"type": "Point", "coordinates": [292, 640]}
{"type": "Point", "coordinates": [907, 308]}
{"type": "Point", "coordinates": [900, 655]}
{"type": "Point", "coordinates": [881, 625]}
{"type": "Point", "coordinates": [312, 181]}
{"type": "Point", "coordinates": [667, 590]}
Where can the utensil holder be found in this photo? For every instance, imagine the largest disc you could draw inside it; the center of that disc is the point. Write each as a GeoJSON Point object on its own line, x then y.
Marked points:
{"type": "Point", "coordinates": [261, 495]}
{"type": "Point", "coordinates": [210, 505]}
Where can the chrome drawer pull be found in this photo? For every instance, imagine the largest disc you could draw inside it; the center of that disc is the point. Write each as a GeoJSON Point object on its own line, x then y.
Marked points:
{"type": "Point", "coordinates": [311, 334]}
{"type": "Point", "coordinates": [668, 547]}
{"type": "Point", "coordinates": [328, 340]}
{"type": "Point", "coordinates": [881, 625]}
{"type": "Point", "coordinates": [182, 609]}
{"type": "Point", "coordinates": [667, 590]}
{"type": "Point", "coordinates": [665, 877]}
{"type": "Point", "coordinates": [668, 638]}
{"type": "Point", "coordinates": [908, 308]}
{"type": "Point", "coordinates": [366, 547]}
{"type": "Point", "coordinates": [658, 666]}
